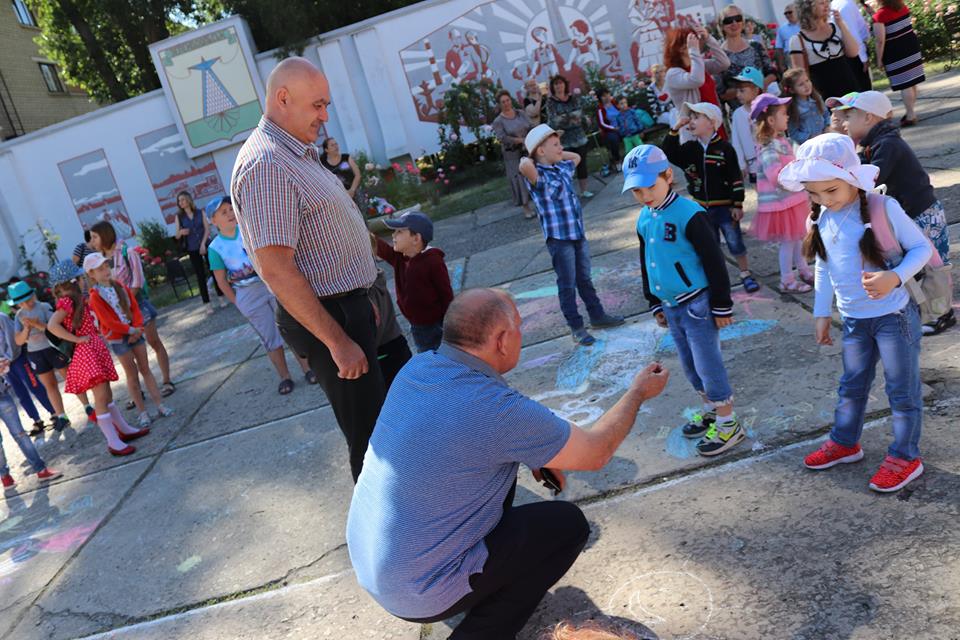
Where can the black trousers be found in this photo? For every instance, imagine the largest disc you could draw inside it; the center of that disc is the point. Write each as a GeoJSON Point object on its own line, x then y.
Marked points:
{"type": "Point", "coordinates": [393, 355]}
{"type": "Point", "coordinates": [530, 549]}
{"type": "Point", "coordinates": [612, 142]}
{"type": "Point", "coordinates": [860, 74]}
{"type": "Point", "coordinates": [356, 403]}
{"type": "Point", "coordinates": [200, 270]}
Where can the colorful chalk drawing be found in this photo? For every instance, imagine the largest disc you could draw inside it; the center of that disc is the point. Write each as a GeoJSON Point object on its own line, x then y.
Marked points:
{"type": "Point", "coordinates": [41, 528]}
{"type": "Point", "coordinates": [675, 604]}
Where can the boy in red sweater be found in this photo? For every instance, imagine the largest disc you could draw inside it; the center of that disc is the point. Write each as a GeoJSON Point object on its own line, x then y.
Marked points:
{"type": "Point", "coordinates": [422, 281]}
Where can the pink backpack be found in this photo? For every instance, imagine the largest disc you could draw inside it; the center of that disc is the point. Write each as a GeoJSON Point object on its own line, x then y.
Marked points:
{"type": "Point", "coordinates": [932, 287]}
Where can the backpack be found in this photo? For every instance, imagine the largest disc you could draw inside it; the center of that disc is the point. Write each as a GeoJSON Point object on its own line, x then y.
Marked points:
{"type": "Point", "coordinates": [932, 287]}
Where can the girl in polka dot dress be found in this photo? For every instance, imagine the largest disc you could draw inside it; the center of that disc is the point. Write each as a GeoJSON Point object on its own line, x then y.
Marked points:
{"type": "Point", "coordinates": [91, 367]}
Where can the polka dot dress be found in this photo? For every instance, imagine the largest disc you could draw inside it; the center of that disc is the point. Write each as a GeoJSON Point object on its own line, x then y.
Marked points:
{"type": "Point", "coordinates": [91, 364]}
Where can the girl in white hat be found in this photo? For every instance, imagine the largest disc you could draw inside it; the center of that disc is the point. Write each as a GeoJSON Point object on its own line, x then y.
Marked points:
{"type": "Point", "coordinates": [880, 321]}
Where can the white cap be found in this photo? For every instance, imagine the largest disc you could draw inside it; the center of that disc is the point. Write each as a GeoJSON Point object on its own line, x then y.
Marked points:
{"type": "Point", "coordinates": [93, 260]}
{"type": "Point", "coordinates": [829, 156]}
{"type": "Point", "coordinates": [708, 109]}
{"type": "Point", "coordinates": [870, 101]}
{"type": "Point", "coordinates": [537, 135]}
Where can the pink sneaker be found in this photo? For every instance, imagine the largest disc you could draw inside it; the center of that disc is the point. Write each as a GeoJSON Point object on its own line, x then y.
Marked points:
{"type": "Point", "coordinates": [895, 473]}
{"type": "Point", "coordinates": [831, 453]}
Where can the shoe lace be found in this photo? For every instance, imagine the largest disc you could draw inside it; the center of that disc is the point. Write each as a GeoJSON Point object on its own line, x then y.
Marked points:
{"type": "Point", "coordinates": [711, 432]}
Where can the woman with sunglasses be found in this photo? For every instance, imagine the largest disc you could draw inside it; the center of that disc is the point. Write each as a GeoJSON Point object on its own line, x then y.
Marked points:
{"type": "Point", "coordinates": [742, 53]}
{"type": "Point", "coordinates": [825, 48]}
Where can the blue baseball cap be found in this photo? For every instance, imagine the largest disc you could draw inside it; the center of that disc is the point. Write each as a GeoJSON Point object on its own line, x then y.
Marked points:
{"type": "Point", "coordinates": [642, 166]}
{"type": "Point", "coordinates": [415, 221]}
{"type": "Point", "coordinates": [750, 74]}
{"type": "Point", "coordinates": [214, 204]}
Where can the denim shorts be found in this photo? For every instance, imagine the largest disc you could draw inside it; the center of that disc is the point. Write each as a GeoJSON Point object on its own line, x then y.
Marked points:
{"type": "Point", "coordinates": [147, 309]}
{"type": "Point", "coordinates": [47, 360]}
{"type": "Point", "coordinates": [122, 347]}
{"type": "Point", "coordinates": [724, 223]}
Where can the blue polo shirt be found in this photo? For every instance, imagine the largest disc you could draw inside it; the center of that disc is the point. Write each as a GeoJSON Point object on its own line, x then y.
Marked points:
{"type": "Point", "coordinates": [444, 453]}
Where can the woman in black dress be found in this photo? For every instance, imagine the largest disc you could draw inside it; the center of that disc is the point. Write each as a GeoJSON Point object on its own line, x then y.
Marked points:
{"type": "Point", "coordinates": [824, 48]}
{"type": "Point", "coordinates": [898, 50]}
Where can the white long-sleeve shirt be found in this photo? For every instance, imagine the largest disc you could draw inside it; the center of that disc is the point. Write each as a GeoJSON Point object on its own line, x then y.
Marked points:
{"type": "Point", "coordinates": [741, 137]}
{"type": "Point", "coordinates": [850, 12]}
{"type": "Point", "coordinates": [841, 272]}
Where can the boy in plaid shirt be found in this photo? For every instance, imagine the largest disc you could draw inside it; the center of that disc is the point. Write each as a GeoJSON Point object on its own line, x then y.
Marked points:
{"type": "Point", "coordinates": [549, 172]}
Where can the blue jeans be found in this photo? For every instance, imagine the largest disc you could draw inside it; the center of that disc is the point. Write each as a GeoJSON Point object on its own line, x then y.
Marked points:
{"type": "Point", "coordinates": [10, 417]}
{"type": "Point", "coordinates": [427, 337]}
{"type": "Point", "coordinates": [893, 339]}
{"type": "Point", "coordinates": [571, 263]}
{"type": "Point", "coordinates": [698, 345]}
{"type": "Point", "coordinates": [23, 383]}
{"type": "Point", "coordinates": [724, 223]}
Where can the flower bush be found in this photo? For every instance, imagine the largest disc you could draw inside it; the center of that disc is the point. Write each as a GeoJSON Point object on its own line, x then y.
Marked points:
{"type": "Point", "coordinates": [936, 24]}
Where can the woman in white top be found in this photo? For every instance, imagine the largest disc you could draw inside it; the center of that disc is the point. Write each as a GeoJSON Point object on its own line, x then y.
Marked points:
{"type": "Point", "coordinates": [825, 49]}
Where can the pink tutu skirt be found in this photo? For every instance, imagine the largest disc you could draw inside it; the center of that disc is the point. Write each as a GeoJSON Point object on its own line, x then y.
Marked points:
{"type": "Point", "coordinates": [785, 225]}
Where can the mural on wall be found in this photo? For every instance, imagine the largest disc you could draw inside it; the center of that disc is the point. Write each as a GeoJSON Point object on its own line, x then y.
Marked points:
{"type": "Point", "coordinates": [511, 41]}
{"type": "Point", "coordinates": [94, 192]}
{"type": "Point", "coordinates": [210, 80]}
{"type": "Point", "coordinates": [171, 171]}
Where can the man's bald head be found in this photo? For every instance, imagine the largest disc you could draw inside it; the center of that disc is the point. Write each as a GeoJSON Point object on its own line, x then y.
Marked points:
{"type": "Point", "coordinates": [477, 316]}
{"type": "Point", "coordinates": [297, 98]}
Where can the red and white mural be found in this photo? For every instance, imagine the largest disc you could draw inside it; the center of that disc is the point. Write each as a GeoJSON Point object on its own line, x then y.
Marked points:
{"type": "Point", "coordinates": [511, 41]}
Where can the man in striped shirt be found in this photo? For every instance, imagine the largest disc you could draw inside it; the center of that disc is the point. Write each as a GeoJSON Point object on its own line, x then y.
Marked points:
{"type": "Point", "coordinates": [311, 248]}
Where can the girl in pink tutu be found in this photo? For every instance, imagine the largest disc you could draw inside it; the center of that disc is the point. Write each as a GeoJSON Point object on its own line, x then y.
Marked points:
{"type": "Point", "coordinates": [781, 215]}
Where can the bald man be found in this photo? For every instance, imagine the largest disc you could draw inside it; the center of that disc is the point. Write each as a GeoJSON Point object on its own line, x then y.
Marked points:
{"type": "Point", "coordinates": [432, 530]}
{"type": "Point", "coordinates": [311, 247]}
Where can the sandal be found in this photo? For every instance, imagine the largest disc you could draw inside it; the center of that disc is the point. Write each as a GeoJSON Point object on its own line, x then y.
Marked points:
{"type": "Point", "coordinates": [904, 122]}
{"type": "Point", "coordinates": [167, 389]}
{"type": "Point", "coordinates": [310, 377]}
{"type": "Point", "coordinates": [808, 278]}
{"type": "Point", "coordinates": [939, 325]}
{"type": "Point", "coordinates": [286, 386]}
{"type": "Point", "coordinates": [795, 287]}
{"type": "Point", "coordinates": [749, 284]}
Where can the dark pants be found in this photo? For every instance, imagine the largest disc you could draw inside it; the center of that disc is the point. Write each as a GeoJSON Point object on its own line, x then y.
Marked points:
{"type": "Point", "coordinates": [860, 74]}
{"type": "Point", "coordinates": [612, 142]}
{"type": "Point", "coordinates": [392, 356]}
{"type": "Point", "coordinates": [356, 403]}
{"type": "Point", "coordinates": [427, 337]}
{"type": "Point", "coordinates": [582, 171]}
{"type": "Point", "coordinates": [24, 383]}
{"type": "Point", "coordinates": [571, 262]}
{"type": "Point", "coordinates": [200, 270]}
{"type": "Point", "coordinates": [529, 550]}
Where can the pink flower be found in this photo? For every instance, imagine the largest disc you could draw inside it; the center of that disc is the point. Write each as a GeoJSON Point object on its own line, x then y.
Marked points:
{"type": "Point", "coordinates": [453, 168]}
{"type": "Point", "coordinates": [446, 181]}
{"type": "Point", "coordinates": [409, 167]}
{"type": "Point", "coordinates": [156, 261]}
{"type": "Point", "coordinates": [396, 166]}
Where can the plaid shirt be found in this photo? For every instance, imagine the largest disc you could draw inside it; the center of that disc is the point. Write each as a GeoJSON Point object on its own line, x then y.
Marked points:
{"type": "Point", "coordinates": [283, 196]}
{"type": "Point", "coordinates": [557, 201]}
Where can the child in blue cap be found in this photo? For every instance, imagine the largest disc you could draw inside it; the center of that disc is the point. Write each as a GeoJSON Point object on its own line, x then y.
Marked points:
{"type": "Point", "coordinates": [686, 283]}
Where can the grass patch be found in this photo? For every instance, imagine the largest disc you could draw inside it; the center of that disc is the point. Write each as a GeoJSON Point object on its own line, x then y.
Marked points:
{"type": "Point", "coordinates": [469, 199]}
{"type": "Point", "coordinates": [930, 67]}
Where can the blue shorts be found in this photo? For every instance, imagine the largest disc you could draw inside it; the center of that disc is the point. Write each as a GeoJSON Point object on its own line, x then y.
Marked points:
{"type": "Point", "coordinates": [122, 347]}
{"type": "Point", "coordinates": [147, 309]}
{"type": "Point", "coordinates": [724, 223]}
{"type": "Point", "coordinates": [47, 360]}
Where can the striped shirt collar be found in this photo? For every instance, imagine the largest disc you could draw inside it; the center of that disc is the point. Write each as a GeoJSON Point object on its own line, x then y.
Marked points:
{"type": "Point", "coordinates": [282, 137]}
{"type": "Point", "coordinates": [669, 200]}
{"type": "Point", "coordinates": [469, 360]}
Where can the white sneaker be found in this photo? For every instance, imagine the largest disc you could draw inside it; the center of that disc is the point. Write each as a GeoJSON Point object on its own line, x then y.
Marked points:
{"type": "Point", "coordinates": [143, 420]}
{"type": "Point", "coordinates": [164, 410]}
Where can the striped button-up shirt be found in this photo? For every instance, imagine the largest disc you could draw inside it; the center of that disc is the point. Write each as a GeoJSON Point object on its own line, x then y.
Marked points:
{"type": "Point", "coordinates": [283, 196]}
{"type": "Point", "coordinates": [557, 201]}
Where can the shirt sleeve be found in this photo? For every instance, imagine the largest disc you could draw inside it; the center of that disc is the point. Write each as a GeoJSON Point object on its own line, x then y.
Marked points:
{"type": "Point", "coordinates": [568, 167]}
{"type": "Point", "coordinates": [796, 46]}
{"type": "Point", "coordinates": [700, 234]}
{"type": "Point", "coordinates": [734, 176]}
{"type": "Point", "coordinates": [917, 249]}
{"type": "Point", "coordinates": [884, 156]}
{"type": "Point", "coordinates": [216, 260]}
{"type": "Point", "coordinates": [78, 250]}
{"type": "Point", "coordinates": [526, 431]}
{"type": "Point", "coordinates": [441, 281]}
{"type": "Point", "coordinates": [387, 253]}
{"type": "Point", "coordinates": [672, 149]}
{"type": "Point", "coordinates": [780, 42]}
{"type": "Point", "coordinates": [269, 207]}
{"type": "Point", "coordinates": [823, 293]}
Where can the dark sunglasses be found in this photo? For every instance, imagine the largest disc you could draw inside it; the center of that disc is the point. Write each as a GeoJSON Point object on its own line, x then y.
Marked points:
{"type": "Point", "coordinates": [788, 13]}
{"type": "Point", "coordinates": [732, 19]}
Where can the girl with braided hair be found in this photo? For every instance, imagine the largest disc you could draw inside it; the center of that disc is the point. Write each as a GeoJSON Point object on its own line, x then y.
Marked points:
{"type": "Point", "coordinates": [880, 321]}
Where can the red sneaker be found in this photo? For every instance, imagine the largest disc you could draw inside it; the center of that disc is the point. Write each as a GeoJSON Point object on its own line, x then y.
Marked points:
{"type": "Point", "coordinates": [831, 453]}
{"type": "Point", "coordinates": [7, 480]}
{"type": "Point", "coordinates": [127, 450]}
{"type": "Point", "coordinates": [127, 437]}
{"type": "Point", "coordinates": [895, 473]}
{"type": "Point", "coordinates": [49, 474]}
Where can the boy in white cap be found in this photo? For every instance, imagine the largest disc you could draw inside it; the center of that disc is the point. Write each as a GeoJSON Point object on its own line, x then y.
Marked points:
{"type": "Point", "coordinates": [880, 321]}
{"type": "Point", "coordinates": [549, 172]}
{"type": "Point", "coordinates": [714, 179]}
{"type": "Point", "coordinates": [869, 124]}
{"type": "Point", "coordinates": [685, 281]}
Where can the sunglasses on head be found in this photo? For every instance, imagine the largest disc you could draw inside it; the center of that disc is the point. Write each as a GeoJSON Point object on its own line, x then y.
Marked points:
{"type": "Point", "coordinates": [732, 19]}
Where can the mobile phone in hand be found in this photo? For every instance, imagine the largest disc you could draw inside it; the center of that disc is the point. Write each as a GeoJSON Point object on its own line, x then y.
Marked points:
{"type": "Point", "coordinates": [550, 480]}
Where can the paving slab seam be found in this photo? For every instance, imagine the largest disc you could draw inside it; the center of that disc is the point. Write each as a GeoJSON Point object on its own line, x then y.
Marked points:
{"type": "Point", "coordinates": [153, 460]}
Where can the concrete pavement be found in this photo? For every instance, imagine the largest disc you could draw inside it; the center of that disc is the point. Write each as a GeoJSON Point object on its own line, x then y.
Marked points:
{"type": "Point", "coordinates": [228, 522]}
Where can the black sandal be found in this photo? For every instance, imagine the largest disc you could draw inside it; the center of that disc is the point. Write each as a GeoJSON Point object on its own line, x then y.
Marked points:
{"type": "Point", "coordinates": [286, 386]}
{"type": "Point", "coordinates": [310, 377]}
{"type": "Point", "coordinates": [941, 324]}
{"type": "Point", "coordinates": [167, 389]}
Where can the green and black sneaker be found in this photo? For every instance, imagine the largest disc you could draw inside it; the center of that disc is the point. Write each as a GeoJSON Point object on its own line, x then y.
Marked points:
{"type": "Point", "coordinates": [717, 440]}
{"type": "Point", "coordinates": [698, 425]}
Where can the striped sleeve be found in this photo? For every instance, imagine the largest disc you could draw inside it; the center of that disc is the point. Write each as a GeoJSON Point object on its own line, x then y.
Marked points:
{"type": "Point", "coordinates": [270, 206]}
{"type": "Point", "coordinates": [136, 270]}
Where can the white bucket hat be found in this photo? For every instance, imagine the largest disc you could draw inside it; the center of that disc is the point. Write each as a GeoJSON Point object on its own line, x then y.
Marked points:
{"type": "Point", "coordinates": [830, 156]}
{"type": "Point", "coordinates": [537, 135]}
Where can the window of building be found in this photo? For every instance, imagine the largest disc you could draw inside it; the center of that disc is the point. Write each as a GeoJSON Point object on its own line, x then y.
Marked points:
{"type": "Point", "coordinates": [24, 15]}
{"type": "Point", "coordinates": [51, 77]}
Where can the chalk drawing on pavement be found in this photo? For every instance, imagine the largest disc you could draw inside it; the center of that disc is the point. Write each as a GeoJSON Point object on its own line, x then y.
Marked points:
{"type": "Point", "coordinates": [189, 563]}
{"type": "Point", "coordinates": [675, 604]}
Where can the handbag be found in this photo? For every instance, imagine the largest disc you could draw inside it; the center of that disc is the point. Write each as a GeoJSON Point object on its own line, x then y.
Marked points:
{"type": "Point", "coordinates": [63, 346]}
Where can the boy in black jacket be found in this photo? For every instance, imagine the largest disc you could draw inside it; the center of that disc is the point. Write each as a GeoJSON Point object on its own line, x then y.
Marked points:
{"type": "Point", "coordinates": [714, 180]}
{"type": "Point", "coordinates": [881, 145]}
